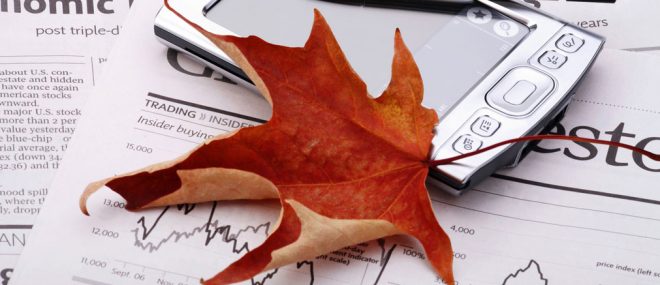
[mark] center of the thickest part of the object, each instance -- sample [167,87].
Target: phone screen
[453,49]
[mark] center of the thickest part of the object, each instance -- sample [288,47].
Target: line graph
[145,238]
[385,256]
[311,270]
[531,274]
[299,265]
[211,228]
[268,276]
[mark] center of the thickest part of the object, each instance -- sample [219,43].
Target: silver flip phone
[491,71]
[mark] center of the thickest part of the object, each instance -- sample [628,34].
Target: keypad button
[552,59]
[467,143]
[511,94]
[485,126]
[479,15]
[569,43]
[519,93]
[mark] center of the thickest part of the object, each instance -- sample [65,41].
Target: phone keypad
[517,104]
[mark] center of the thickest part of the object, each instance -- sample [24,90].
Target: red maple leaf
[346,168]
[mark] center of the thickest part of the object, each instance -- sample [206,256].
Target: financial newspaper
[51,55]
[571,213]
[53,52]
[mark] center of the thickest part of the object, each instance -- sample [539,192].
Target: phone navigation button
[520,92]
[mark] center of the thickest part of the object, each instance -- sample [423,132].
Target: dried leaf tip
[89,190]
[185,19]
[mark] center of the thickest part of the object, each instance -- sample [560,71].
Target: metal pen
[421,5]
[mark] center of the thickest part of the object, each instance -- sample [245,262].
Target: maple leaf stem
[449,160]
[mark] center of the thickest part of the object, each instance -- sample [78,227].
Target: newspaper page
[51,55]
[571,213]
[627,24]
